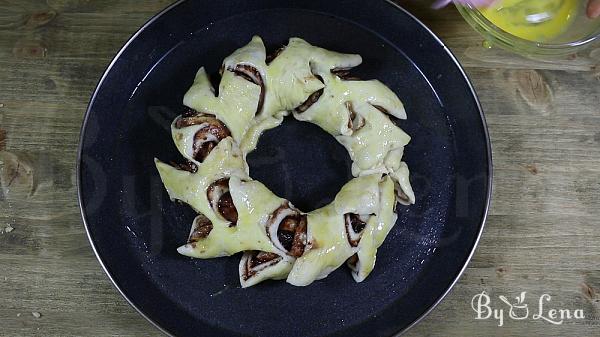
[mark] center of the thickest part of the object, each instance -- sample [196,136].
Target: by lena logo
[519,309]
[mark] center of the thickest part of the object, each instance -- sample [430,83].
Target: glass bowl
[581,33]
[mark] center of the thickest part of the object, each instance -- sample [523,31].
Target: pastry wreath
[238,214]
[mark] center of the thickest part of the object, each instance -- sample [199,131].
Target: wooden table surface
[542,234]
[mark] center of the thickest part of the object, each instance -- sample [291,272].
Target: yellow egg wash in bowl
[534,20]
[534,28]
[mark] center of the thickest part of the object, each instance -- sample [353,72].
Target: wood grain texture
[541,237]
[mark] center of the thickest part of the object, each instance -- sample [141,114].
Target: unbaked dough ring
[238,214]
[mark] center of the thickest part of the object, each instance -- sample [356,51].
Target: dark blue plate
[135,229]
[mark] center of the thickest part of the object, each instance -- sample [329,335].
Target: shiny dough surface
[253,96]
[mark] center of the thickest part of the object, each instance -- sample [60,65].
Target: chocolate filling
[380,108]
[227,209]
[252,74]
[344,74]
[356,225]
[202,149]
[201,228]
[312,99]
[221,201]
[355,121]
[191,117]
[189,112]
[274,55]
[259,259]
[186,166]
[299,238]
[292,234]
[213,129]
[291,229]
[353,260]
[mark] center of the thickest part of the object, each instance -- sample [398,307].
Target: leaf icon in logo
[519,310]
[521,298]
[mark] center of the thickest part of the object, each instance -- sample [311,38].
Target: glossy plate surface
[135,229]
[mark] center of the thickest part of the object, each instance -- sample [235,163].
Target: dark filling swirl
[207,138]
[221,202]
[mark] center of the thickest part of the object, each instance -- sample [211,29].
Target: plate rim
[490,172]
[396,6]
